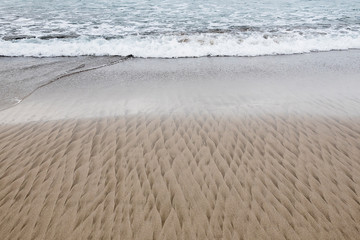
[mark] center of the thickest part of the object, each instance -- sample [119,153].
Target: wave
[176,46]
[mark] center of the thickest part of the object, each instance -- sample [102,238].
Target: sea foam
[196,45]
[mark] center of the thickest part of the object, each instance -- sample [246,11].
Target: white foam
[196,45]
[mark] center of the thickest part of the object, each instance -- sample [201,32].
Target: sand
[288,169]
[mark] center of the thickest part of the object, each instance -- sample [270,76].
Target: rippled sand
[282,170]
[170,177]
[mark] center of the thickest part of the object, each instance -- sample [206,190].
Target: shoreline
[169,58]
[210,148]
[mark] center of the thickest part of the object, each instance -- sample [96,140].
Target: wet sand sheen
[175,177]
[213,148]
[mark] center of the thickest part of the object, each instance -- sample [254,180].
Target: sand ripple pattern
[177,177]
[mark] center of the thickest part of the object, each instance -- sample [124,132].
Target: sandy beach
[203,148]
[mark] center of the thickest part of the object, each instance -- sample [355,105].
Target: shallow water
[177,28]
[315,84]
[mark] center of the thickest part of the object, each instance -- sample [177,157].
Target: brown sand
[207,148]
[181,177]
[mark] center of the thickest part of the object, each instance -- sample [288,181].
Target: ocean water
[174,28]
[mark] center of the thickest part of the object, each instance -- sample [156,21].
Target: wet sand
[217,148]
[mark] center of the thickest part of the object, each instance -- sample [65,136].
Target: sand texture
[205,148]
[173,177]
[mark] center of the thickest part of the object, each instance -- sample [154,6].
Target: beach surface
[195,148]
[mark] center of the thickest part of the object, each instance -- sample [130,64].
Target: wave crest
[175,46]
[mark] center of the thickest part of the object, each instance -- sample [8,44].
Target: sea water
[174,28]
